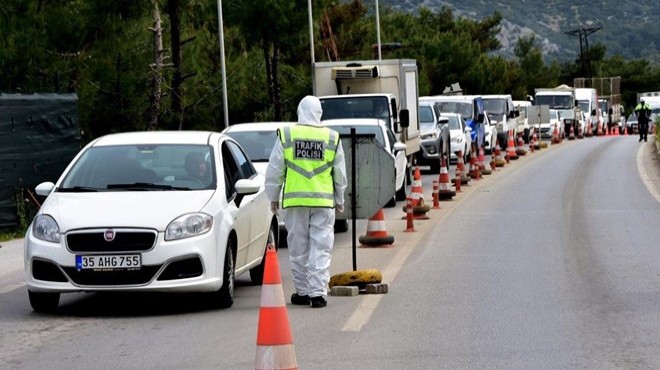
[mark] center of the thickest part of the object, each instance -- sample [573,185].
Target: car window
[426,118]
[257,144]
[462,108]
[454,123]
[137,167]
[246,169]
[231,171]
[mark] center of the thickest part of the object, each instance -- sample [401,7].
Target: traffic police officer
[643,111]
[308,161]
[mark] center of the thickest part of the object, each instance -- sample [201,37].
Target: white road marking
[11,287]
[645,177]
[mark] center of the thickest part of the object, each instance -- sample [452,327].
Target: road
[551,262]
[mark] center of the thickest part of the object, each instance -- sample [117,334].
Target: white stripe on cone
[375,225]
[272,295]
[276,357]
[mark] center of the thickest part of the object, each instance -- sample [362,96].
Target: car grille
[125,240]
[112,278]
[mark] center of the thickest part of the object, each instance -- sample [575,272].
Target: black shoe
[645,140]
[318,302]
[300,300]
[640,140]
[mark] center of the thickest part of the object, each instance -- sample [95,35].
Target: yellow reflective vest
[309,154]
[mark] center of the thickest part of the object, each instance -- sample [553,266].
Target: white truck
[562,99]
[356,89]
[504,115]
[587,99]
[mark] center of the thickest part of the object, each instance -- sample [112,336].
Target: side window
[244,165]
[231,171]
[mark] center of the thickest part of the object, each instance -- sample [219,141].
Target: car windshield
[257,144]
[375,130]
[426,118]
[494,106]
[584,105]
[355,107]
[462,108]
[555,101]
[632,118]
[142,168]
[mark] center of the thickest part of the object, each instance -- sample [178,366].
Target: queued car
[258,139]
[459,136]
[471,109]
[434,137]
[547,128]
[383,136]
[177,211]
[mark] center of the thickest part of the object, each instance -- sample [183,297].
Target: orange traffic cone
[410,227]
[510,147]
[436,197]
[555,135]
[474,168]
[377,235]
[481,162]
[460,169]
[520,149]
[580,134]
[590,130]
[499,162]
[599,129]
[274,339]
[571,135]
[417,195]
[416,191]
[444,185]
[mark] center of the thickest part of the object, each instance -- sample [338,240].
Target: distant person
[308,161]
[643,112]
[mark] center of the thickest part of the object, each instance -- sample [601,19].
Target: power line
[585,58]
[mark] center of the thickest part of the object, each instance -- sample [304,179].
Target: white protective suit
[310,230]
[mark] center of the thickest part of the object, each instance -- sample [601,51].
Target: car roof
[257,126]
[465,98]
[158,137]
[496,96]
[353,122]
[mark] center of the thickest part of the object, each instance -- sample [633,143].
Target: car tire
[257,272]
[224,297]
[44,302]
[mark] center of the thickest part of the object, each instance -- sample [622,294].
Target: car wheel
[224,297]
[257,273]
[44,302]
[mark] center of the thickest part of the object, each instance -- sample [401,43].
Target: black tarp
[39,136]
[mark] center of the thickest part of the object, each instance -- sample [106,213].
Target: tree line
[156,64]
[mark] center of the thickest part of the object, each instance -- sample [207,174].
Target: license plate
[109,262]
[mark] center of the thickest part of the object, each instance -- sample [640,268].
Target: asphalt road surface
[552,262]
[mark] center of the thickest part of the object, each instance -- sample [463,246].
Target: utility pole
[585,59]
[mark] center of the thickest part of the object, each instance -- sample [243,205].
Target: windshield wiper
[145,186]
[78,189]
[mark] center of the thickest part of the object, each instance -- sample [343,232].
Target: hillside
[627,27]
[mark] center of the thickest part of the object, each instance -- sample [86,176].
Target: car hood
[151,209]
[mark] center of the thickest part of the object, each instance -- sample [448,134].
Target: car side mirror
[245,187]
[404,120]
[399,146]
[468,130]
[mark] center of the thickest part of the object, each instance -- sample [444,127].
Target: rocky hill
[630,28]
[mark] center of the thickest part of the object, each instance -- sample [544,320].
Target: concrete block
[376,289]
[345,291]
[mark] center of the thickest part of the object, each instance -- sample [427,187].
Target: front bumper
[185,265]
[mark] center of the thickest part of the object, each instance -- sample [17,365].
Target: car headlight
[455,140]
[429,136]
[189,225]
[45,228]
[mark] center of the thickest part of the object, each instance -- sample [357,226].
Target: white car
[385,137]
[547,128]
[459,134]
[258,139]
[129,214]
